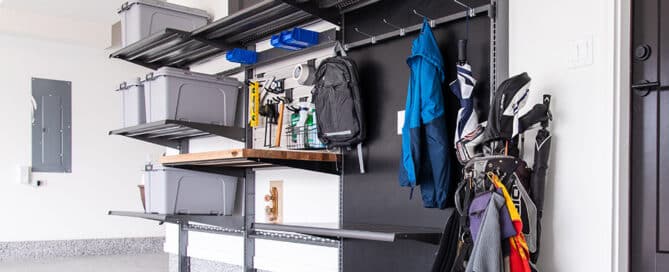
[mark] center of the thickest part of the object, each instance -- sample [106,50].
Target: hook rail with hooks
[470,10]
[402,31]
[432,24]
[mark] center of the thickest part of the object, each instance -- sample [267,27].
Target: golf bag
[336,96]
[493,164]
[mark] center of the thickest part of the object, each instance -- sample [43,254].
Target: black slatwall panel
[376,197]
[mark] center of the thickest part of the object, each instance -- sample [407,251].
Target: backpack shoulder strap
[339,50]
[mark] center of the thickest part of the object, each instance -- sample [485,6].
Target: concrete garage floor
[122,263]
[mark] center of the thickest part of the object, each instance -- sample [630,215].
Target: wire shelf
[303,138]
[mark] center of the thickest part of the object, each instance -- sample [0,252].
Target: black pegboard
[376,197]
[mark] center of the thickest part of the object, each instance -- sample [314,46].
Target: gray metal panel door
[52,126]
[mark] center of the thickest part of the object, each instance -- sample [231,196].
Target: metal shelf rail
[172,133]
[182,49]
[232,225]
[292,237]
[370,232]
[235,161]
[403,31]
[168,47]
[226,222]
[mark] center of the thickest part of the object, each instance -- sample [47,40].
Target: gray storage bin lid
[185,74]
[135,82]
[159,167]
[165,5]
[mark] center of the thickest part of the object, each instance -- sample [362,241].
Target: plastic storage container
[177,191]
[294,39]
[141,18]
[277,41]
[188,96]
[300,37]
[242,56]
[132,103]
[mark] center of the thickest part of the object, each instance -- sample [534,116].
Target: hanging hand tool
[275,86]
[279,126]
[254,103]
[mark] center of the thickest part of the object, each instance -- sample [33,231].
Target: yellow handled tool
[279,126]
[254,104]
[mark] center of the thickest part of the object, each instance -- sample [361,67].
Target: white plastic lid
[175,72]
[165,5]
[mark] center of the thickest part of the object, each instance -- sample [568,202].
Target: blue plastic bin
[300,37]
[242,56]
[277,41]
[295,39]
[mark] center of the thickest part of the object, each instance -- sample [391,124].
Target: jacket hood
[426,46]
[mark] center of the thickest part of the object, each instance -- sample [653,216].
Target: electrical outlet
[400,122]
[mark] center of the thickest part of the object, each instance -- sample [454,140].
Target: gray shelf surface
[171,133]
[223,221]
[371,232]
[182,49]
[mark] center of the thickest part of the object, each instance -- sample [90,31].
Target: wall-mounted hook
[470,10]
[401,29]
[423,16]
[365,34]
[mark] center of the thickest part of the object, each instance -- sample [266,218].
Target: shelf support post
[183,261]
[249,183]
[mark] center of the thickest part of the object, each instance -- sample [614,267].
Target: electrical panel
[51,125]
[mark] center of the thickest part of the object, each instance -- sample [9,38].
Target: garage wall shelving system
[243,29]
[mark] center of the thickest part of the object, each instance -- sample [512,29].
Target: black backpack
[336,96]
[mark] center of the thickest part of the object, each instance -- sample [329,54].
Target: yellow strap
[509,203]
[518,240]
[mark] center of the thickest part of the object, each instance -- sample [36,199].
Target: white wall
[63,29]
[578,218]
[105,169]
[215,8]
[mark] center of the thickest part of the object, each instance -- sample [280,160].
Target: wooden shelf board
[246,156]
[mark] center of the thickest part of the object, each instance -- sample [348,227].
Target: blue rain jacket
[425,145]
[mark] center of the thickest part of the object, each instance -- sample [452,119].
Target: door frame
[621,136]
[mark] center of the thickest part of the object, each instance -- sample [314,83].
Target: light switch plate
[400,122]
[580,52]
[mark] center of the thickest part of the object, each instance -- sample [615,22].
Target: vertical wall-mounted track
[341,213]
[183,261]
[499,44]
[249,184]
[249,219]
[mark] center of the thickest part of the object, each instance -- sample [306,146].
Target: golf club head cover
[468,146]
[509,99]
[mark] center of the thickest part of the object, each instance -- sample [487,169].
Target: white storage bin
[141,18]
[133,111]
[177,191]
[188,96]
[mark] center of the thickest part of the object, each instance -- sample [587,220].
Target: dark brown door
[649,244]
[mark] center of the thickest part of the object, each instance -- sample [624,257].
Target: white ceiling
[98,11]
